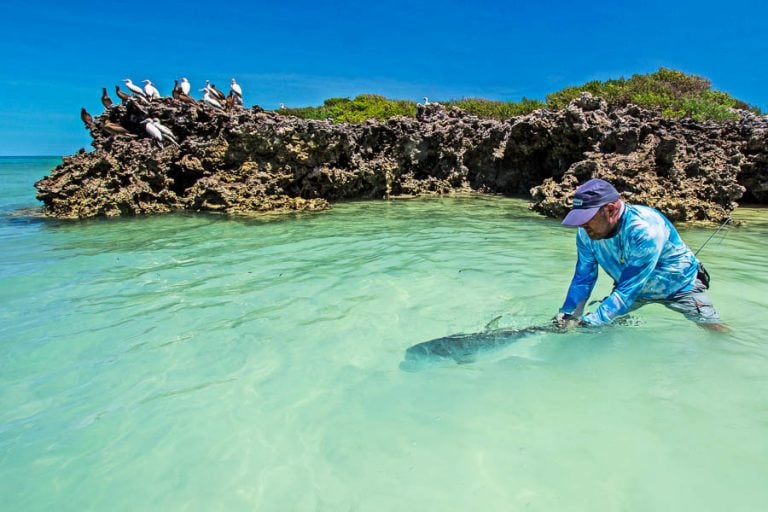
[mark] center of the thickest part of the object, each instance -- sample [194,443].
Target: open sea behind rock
[204,362]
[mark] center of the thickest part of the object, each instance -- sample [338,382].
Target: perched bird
[210,100]
[185,86]
[87,119]
[105,99]
[187,99]
[426,101]
[167,133]
[176,91]
[150,90]
[135,89]
[235,87]
[153,131]
[217,94]
[282,106]
[120,94]
[115,129]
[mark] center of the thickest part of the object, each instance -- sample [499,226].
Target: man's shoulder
[642,214]
[645,224]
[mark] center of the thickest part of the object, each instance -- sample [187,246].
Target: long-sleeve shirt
[646,258]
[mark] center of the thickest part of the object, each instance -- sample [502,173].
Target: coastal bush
[672,93]
[499,110]
[363,107]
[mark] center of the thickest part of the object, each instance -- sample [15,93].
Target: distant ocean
[205,362]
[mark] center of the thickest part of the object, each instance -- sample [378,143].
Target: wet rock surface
[250,160]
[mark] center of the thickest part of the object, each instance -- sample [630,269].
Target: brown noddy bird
[87,119]
[120,94]
[105,99]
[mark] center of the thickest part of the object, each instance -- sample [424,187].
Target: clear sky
[57,55]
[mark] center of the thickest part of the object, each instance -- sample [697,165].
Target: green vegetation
[672,93]
[366,106]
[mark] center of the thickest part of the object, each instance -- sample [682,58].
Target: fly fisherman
[640,249]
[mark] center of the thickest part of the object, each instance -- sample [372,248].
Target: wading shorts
[694,304]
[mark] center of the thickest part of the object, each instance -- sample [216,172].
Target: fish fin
[493,324]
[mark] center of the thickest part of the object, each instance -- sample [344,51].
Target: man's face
[601,225]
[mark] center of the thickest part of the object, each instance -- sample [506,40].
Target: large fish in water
[465,347]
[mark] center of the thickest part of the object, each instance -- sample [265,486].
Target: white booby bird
[426,101]
[210,100]
[235,87]
[135,89]
[185,85]
[165,130]
[214,91]
[282,106]
[105,99]
[153,131]
[150,90]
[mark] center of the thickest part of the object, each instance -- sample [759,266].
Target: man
[643,253]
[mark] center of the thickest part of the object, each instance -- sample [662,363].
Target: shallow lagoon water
[200,362]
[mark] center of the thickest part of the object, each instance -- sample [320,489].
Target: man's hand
[566,320]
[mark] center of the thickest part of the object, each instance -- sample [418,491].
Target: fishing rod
[726,221]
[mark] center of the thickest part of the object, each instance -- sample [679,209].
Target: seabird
[150,90]
[176,91]
[426,101]
[187,99]
[105,99]
[210,100]
[135,89]
[282,106]
[185,86]
[153,131]
[235,87]
[165,130]
[214,91]
[120,94]
[115,129]
[87,119]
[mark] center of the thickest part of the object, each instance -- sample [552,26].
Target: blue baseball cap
[588,199]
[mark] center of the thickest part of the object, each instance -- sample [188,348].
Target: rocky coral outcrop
[249,160]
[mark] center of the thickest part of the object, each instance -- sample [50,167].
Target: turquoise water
[198,362]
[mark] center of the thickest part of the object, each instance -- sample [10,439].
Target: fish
[464,348]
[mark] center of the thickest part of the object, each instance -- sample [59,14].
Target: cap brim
[576,218]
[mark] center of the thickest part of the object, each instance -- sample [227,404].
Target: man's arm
[584,279]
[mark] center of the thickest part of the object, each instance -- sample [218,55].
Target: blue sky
[56,56]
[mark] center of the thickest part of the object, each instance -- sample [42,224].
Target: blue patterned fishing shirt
[646,258]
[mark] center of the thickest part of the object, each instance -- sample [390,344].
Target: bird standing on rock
[153,131]
[151,91]
[115,129]
[120,94]
[236,93]
[213,91]
[164,130]
[210,100]
[86,118]
[235,87]
[185,85]
[135,89]
[105,99]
